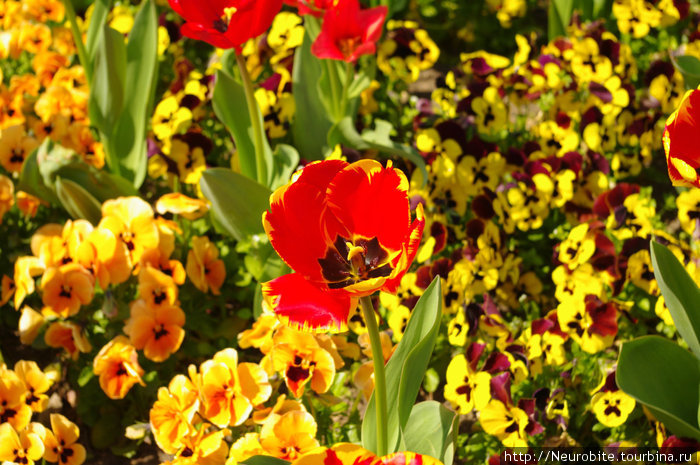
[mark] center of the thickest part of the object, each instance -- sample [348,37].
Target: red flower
[348,32]
[226,23]
[311,7]
[346,231]
[681,142]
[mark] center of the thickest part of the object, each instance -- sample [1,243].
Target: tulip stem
[379,376]
[255,120]
[349,75]
[78,39]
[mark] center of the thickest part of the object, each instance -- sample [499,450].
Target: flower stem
[255,121]
[379,376]
[349,75]
[78,39]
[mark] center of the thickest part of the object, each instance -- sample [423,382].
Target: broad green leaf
[78,202]
[129,138]
[361,81]
[98,18]
[689,67]
[664,377]
[231,108]
[107,86]
[285,162]
[405,369]
[237,202]
[680,292]
[431,430]
[311,121]
[32,182]
[344,132]
[264,263]
[264,460]
[559,16]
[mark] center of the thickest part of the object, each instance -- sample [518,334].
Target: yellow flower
[203,267]
[26,268]
[155,329]
[507,423]
[7,195]
[61,442]
[290,435]
[15,146]
[131,220]
[465,388]
[179,204]
[36,383]
[173,413]
[30,323]
[170,118]
[13,407]
[229,389]
[69,336]
[25,447]
[118,368]
[612,408]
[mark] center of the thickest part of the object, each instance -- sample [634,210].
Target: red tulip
[681,142]
[226,23]
[311,7]
[346,231]
[348,32]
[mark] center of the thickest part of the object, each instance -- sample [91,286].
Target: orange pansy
[155,329]
[203,267]
[25,447]
[65,289]
[118,368]
[290,435]
[69,336]
[35,382]
[172,414]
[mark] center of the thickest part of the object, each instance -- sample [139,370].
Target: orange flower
[13,408]
[681,142]
[172,414]
[180,204]
[105,256]
[61,442]
[118,367]
[26,268]
[156,288]
[203,267]
[69,336]
[229,390]
[65,289]
[35,382]
[131,220]
[28,204]
[15,146]
[173,268]
[260,335]
[346,231]
[155,329]
[200,448]
[302,360]
[290,435]
[7,197]
[7,289]
[25,447]
[345,453]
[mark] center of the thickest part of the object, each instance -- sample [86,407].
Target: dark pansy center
[346,263]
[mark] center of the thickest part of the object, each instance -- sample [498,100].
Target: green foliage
[405,370]
[431,430]
[689,67]
[664,377]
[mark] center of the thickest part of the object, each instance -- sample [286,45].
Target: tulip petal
[304,306]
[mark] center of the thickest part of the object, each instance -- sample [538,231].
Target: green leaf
[237,201]
[264,460]
[405,369]
[229,105]
[78,202]
[107,87]
[129,138]
[431,430]
[559,16]
[311,121]
[264,263]
[361,81]
[98,18]
[379,138]
[689,67]
[285,162]
[664,377]
[32,182]
[680,292]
